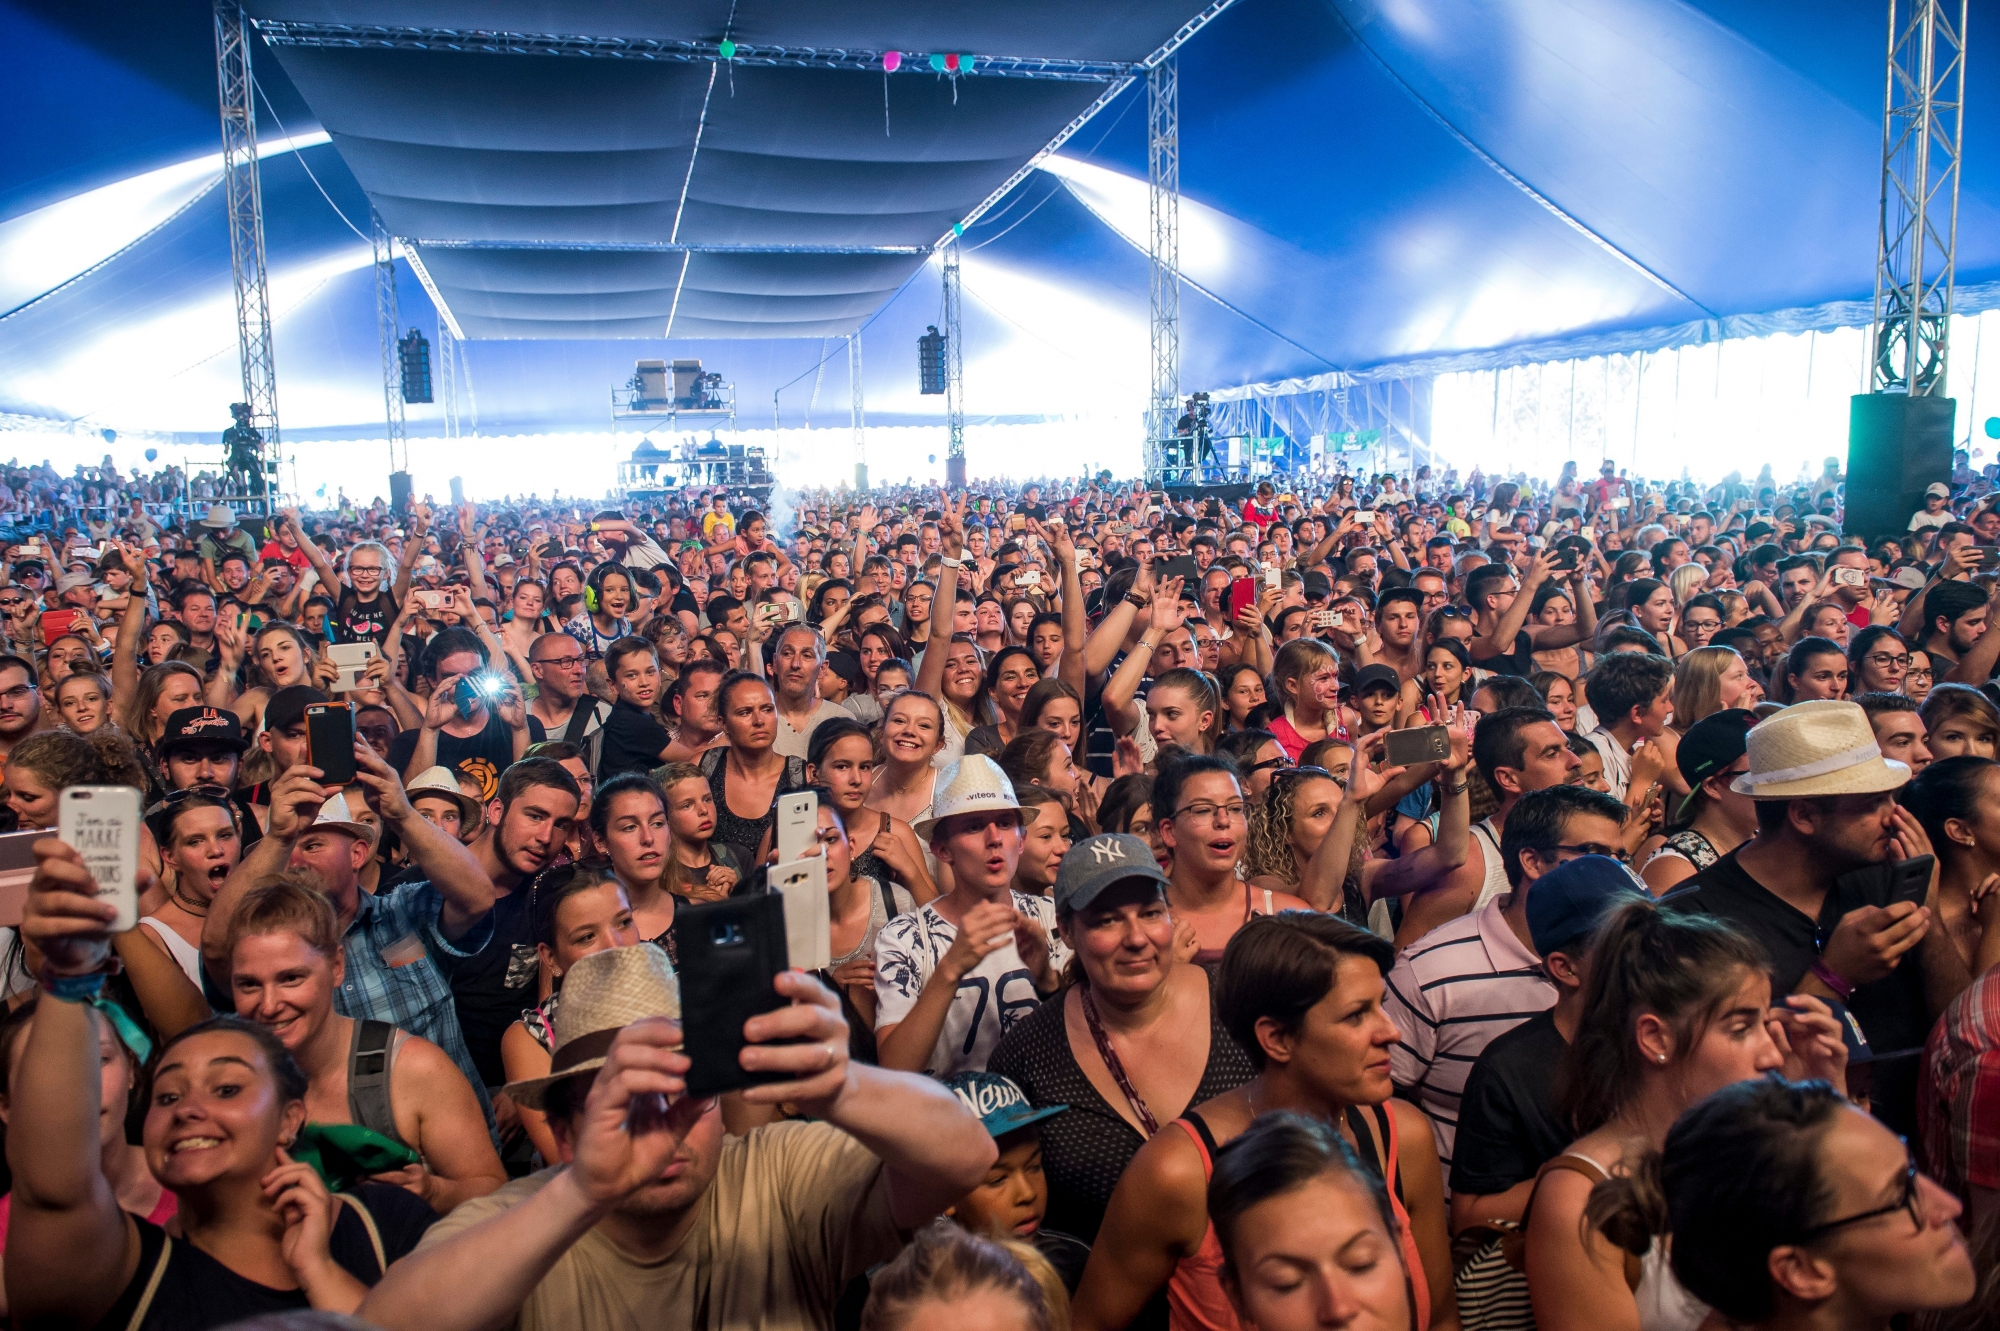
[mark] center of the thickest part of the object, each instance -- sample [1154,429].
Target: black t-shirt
[197,1292]
[633,741]
[354,619]
[491,989]
[1891,1011]
[1520,661]
[483,756]
[1507,1123]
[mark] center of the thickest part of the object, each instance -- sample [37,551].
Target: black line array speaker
[399,491]
[1897,445]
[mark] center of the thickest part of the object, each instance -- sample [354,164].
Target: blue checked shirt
[414,996]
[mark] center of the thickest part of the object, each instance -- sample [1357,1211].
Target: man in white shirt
[1633,696]
[1936,510]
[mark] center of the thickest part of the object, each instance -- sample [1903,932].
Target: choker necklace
[199,912]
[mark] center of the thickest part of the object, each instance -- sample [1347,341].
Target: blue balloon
[152,454]
[1993,427]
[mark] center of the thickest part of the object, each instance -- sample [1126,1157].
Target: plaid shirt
[1958,1097]
[416,994]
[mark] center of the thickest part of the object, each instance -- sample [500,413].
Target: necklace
[199,912]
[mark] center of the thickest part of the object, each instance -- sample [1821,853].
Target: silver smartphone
[102,824]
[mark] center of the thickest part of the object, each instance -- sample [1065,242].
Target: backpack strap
[579,719]
[369,1059]
[146,1295]
[367,1219]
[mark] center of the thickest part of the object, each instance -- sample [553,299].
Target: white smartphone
[353,659]
[1273,578]
[102,824]
[808,913]
[798,823]
[1364,516]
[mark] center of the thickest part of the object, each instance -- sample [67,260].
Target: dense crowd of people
[1399,902]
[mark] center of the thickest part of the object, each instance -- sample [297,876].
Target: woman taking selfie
[257,1232]
[1789,1209]
[1676,1007]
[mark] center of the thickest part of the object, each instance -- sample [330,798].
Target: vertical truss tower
[859,409]
[387,322]
[447,350]
[245,201]
[1163,159]
[954,372]
[1922,119]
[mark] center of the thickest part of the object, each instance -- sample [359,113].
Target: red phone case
[1242,592]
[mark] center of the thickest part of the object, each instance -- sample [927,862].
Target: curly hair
[1269,851]
[63,758]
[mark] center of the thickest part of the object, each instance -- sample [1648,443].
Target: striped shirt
[1452,992]
[1958,1097]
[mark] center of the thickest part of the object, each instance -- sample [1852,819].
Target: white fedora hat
[1822,747]
[973,784]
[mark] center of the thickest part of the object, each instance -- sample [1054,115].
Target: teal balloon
[1993,427]
[937,63]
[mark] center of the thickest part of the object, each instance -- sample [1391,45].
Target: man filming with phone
[475,722]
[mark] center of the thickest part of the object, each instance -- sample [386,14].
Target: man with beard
[527,826]
[20,704]
[659,1218]
[393,942]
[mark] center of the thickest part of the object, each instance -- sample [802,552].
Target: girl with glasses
[1877,660]
[1918,676]
[1789,1207]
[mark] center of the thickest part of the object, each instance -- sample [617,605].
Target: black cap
[202,728]
[287,707]
[1712,744]
[1369,676]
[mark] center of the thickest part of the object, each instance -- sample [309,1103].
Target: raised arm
[1109,636]
[295,800]
[70,1249]
[1075,623]
[314,555]
[944,605]
[1123,686]
[1501,640]
[445,860]
[125,668]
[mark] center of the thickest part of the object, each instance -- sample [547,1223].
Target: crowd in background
[1405,901]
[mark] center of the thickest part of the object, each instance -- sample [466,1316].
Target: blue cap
[998,1102]
[1573,898]
[1098,862]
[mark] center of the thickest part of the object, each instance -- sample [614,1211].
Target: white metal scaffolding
[447,350]
[1923,116]
[954,372]
[245,202]
[387,322]
[1163,159]
[860,410]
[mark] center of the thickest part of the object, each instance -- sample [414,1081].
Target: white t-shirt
[998,992]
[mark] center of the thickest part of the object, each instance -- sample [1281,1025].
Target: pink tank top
[1196,1300]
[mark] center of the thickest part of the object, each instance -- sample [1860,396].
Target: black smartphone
[731,954]
[1910,880]
[1416,744]
[1885,884]
[330,741]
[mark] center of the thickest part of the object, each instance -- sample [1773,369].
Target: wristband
[949,562]
[1458,789]
[1832,979]
[1137,601]
[74,988]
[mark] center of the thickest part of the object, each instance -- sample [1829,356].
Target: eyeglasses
[1911,1200]
[559,662]
[1918,672]
[1618,853]
[1221,814]
[1882,661]
[174,798]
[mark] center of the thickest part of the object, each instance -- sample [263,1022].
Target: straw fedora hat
[441,780]
[602,994]
[973,784]
[1822,747]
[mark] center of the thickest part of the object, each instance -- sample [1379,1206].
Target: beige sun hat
[602,994]
[441,780]
[336,814]
[973,784]
[1822,747]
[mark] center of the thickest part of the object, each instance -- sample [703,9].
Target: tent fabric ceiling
[543,151]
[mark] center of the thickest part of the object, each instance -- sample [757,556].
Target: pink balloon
[892,61]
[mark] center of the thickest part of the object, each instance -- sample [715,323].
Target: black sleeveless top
[746,834]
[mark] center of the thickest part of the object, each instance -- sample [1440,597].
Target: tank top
[1662,1301]
[1495,883]
[731,828]
[1196,1300]
[182,951]
[1212,956]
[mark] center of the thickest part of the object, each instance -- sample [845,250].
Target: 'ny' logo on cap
[1106,850]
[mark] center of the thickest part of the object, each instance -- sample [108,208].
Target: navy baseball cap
[998,1102]
[1101,861]
[1573,898]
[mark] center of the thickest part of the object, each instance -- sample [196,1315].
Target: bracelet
[949,562]
[1458,789]
[1832,979]
[1137,601]
[74,988]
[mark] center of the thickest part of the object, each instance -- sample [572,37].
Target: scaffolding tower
[1923,116]
[860,410]
[954,372]
[387,322]
[1163,160]
[244,196]
[447,349]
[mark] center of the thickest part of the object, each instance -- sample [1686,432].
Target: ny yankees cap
[1102,861]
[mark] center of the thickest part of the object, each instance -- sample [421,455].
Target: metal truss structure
[388,321]
[860,411]
[447,352]
[245,202]
[1922,118]
[954,372]
[1163,161]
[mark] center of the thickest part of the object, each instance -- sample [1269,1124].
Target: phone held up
[101,823]
[1416,744]
[731,954]
[330,741]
